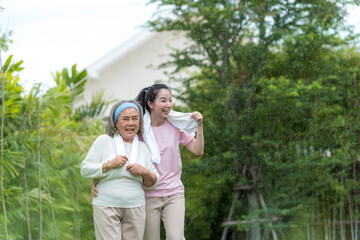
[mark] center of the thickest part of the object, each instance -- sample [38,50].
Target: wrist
[146,174]
[106,166]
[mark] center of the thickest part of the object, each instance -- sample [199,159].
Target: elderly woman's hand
[117,162]
[149,178]
[136,169]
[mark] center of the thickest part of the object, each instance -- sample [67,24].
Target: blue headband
[122,106]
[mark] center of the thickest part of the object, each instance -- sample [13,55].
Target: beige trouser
[119,223]
[171,210]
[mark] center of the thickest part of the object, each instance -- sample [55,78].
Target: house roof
[119,52]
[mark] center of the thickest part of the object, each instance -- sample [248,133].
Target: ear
[151,105]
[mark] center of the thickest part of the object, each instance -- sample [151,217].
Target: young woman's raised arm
[196,146]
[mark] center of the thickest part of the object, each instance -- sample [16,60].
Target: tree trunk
[25,185]
[263,205]
[326,227]
[308,234]
[355,177]
[27,202]
[77,208]
[282,234]
[51,205]
[356,222]
[329,223]
[351,220]
[342,224]
[334,225]
[2,147]
[342,227]
[231,211]
[39,170]
[313,237]
[74,206]
[254,207]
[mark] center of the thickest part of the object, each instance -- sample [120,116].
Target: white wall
[123,76]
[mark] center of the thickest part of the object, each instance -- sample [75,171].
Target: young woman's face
[128,123]
[162,104]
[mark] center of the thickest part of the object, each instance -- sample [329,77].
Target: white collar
[120,149]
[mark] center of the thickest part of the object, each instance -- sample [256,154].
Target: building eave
[119,52]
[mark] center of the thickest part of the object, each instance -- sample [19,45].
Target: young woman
[164,131]
[124,166]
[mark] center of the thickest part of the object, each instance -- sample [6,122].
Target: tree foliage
[44,144]
[278,88]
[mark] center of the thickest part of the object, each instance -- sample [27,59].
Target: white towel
[120,149]
[180,120]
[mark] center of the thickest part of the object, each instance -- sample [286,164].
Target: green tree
[261,81]
[42,148]
[75,83]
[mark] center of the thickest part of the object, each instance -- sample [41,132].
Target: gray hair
[111,126]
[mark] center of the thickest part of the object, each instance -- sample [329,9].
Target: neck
[127,140]
[156,121]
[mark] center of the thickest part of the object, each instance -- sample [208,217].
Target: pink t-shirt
[168,139]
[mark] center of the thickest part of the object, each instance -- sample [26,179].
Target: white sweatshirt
[117,187]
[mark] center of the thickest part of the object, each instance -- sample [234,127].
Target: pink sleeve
[186,137]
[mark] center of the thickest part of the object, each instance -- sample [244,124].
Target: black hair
[149,93]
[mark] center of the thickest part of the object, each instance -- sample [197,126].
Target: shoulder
[143,147]
[104,138]
[168,126]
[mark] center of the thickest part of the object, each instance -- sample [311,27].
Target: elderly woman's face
[128,124]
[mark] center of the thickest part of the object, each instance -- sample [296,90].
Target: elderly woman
[123,164]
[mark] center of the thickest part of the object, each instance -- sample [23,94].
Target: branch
[232,208]
[262,220]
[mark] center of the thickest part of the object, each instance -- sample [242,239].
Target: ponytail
[140,98]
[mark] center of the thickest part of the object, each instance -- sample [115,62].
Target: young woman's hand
[94,191]
[197,117]
[196,145]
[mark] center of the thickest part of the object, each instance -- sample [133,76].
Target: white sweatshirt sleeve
[150,166]
[91,167]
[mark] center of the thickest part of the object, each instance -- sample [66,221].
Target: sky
[50,35]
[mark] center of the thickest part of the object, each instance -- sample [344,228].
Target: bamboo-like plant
[2,145]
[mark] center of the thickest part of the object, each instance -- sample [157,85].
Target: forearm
[106,166]
[92,170]
[149,179]
[199,141]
